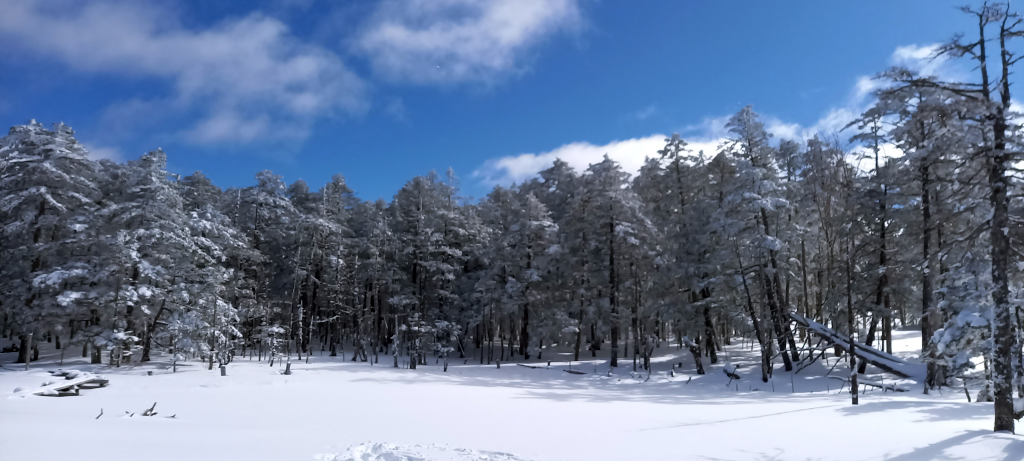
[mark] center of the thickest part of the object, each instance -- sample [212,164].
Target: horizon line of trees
[696,249]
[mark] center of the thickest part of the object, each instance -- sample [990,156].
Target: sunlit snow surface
[341,410]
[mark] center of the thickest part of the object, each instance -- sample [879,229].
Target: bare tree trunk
[803,274]
[579,335]
[96,355]
[23,351]
[613,294]
[524,334]
[595,343]
[1004,331]
[852,328]
[634,321]
[709,334]
[147,339]
[932,316]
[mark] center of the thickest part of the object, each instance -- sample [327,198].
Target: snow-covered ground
[335,410]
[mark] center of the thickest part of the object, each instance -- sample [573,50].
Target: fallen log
[882,360]
[68,387]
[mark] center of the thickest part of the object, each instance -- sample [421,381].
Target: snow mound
[392,452]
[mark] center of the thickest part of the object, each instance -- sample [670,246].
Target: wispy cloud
[460,41]
[918,58]
[645,113]
[922,58]
[249,76]
[102,152]
[396,109]
[807,94]
[708,128]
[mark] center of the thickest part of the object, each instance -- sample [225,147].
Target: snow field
[335,410]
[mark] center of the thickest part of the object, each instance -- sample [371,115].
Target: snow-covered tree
[48,196]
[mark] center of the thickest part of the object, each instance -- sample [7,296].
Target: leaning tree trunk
[872,329]
[779,312]
[783,310]
[695,351]
[774,311]
[765,355]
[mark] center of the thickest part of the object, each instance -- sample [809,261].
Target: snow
[391,452]
[335,410]
[877,384]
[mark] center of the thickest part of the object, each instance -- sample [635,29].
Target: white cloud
[630,153]
[458,41]
[247,75]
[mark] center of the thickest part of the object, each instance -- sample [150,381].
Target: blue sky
[384,91]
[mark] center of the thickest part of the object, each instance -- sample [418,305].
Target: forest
[908,218]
